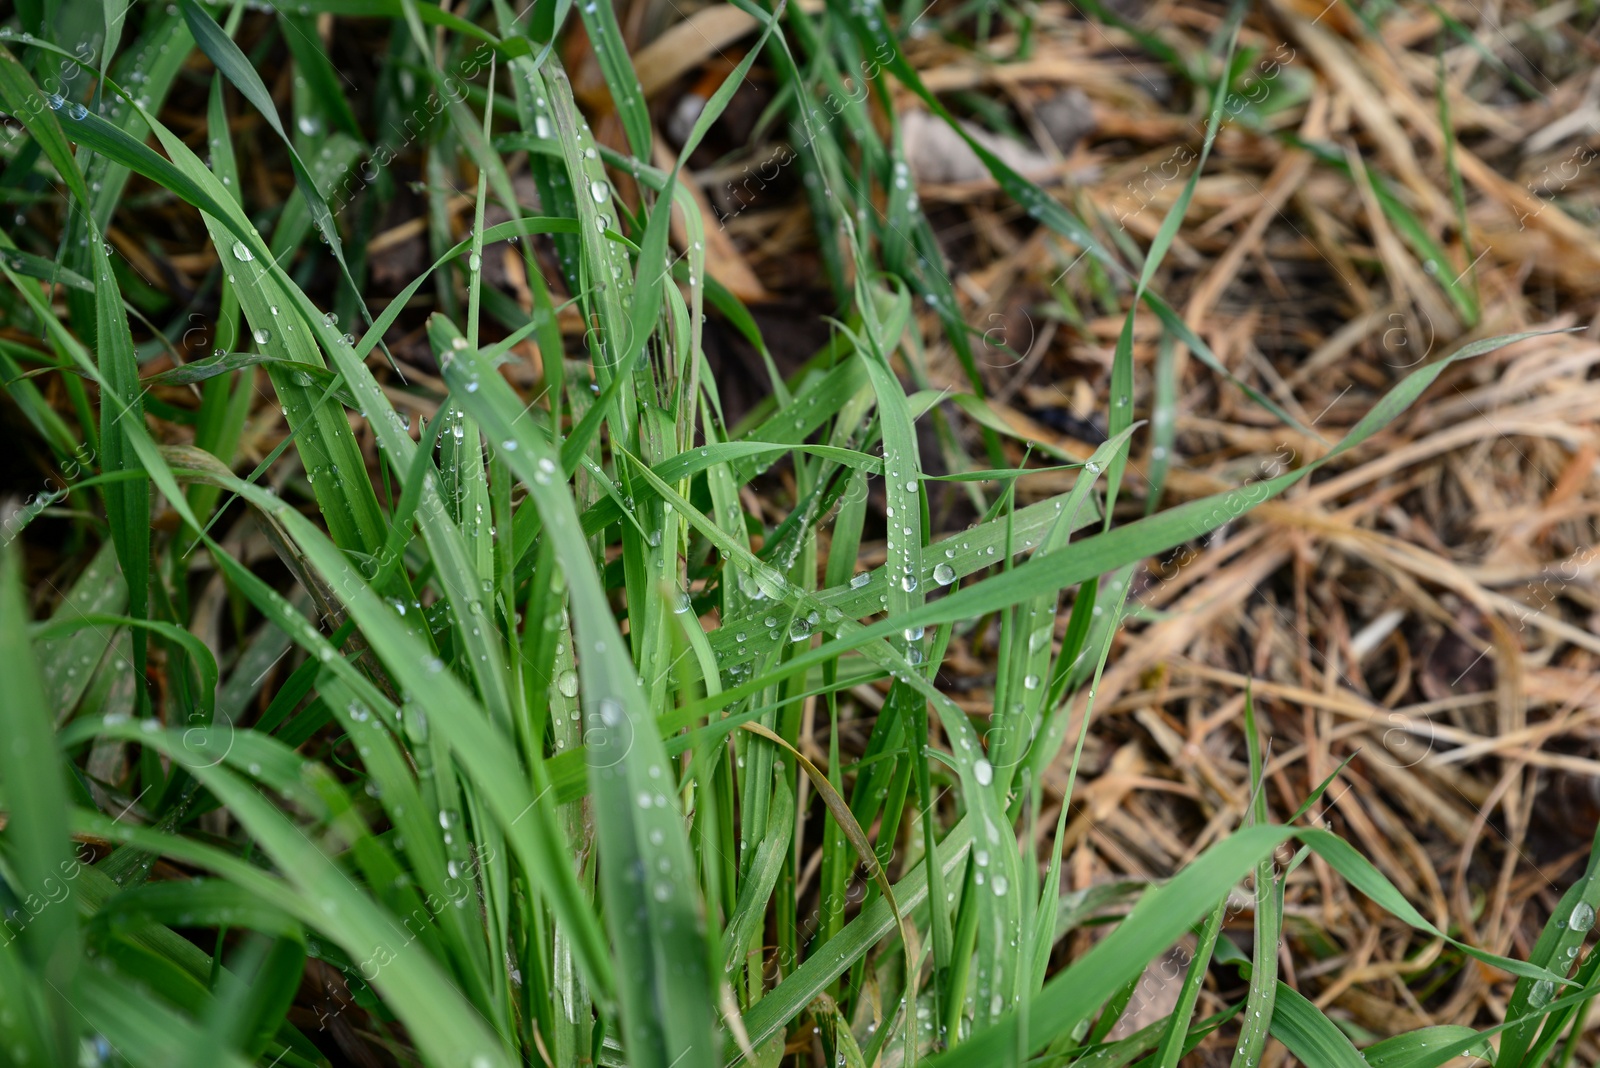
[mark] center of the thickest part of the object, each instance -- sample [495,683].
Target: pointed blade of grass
[745,923]
[1359,872]
[1121,415]
[1177,1025]
[1015,724]
[127,502]
[349,506]
[611,53]
[1415,1047]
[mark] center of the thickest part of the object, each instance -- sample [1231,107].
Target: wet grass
[437,676]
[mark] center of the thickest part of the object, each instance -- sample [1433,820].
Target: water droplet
[261,336]
[1582,916]
[860,580]
[242,253]
[983,771]
[944,574]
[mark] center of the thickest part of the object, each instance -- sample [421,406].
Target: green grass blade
[611,52]
[1258,1016]
[36,800]
[1563,935]
[1413,1047]
[41,116]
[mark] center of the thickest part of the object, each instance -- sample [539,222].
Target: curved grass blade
[1315,1040]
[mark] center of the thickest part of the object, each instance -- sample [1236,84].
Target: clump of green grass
[511,744]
